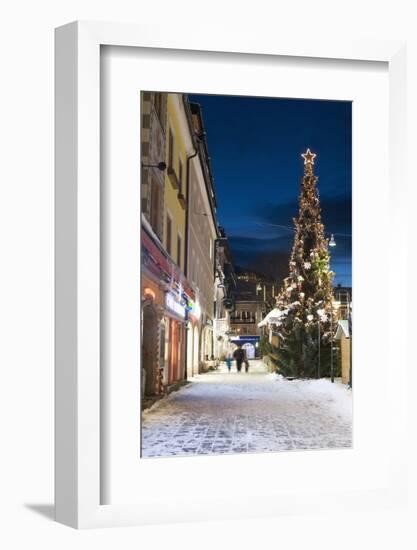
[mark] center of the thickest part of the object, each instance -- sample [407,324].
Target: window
[170,149]
[180,175]
[169,235]
[154,211]
[179,245]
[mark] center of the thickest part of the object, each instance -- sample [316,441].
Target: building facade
[165,295]
[188,281]
[255,296]
[165,290]
[202,232]
[224,296]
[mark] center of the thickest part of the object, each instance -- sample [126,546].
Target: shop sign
[246,338]
[172,304]
[194,309]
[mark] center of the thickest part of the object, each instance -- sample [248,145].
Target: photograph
[246,274]
[195,197]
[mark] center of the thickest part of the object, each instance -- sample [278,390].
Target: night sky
[255,146]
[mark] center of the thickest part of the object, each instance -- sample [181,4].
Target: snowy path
[223,412]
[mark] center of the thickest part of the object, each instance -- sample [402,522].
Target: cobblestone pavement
[222,412]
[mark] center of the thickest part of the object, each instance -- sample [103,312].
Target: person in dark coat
[245,360]
[239,356]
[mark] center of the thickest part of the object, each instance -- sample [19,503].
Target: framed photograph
[221,214]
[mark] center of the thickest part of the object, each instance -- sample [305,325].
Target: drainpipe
[187,222]
[187,212]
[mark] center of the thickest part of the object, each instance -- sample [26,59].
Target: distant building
[255,296]
[343,336]
[343,299]
[224,295]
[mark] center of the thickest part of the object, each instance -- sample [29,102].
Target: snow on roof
[272,317]
[342,329]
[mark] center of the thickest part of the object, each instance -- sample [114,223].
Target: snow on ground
[222,412]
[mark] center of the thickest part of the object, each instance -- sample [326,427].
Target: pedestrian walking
[238,355]
[229,361]
[245,360]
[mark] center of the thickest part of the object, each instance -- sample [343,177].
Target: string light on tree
[304,331]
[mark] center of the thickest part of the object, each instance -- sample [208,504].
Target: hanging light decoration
[332,242]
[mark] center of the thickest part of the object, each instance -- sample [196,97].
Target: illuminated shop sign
[172,304]
[194,309]
[245,338]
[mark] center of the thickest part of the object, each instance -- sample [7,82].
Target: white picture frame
[78,405]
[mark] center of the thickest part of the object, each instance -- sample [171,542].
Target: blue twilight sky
[255,146]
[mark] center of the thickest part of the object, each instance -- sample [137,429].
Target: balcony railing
[222,325]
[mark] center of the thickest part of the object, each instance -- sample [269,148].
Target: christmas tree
[306,297]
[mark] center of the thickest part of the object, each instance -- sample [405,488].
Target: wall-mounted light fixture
[161,166]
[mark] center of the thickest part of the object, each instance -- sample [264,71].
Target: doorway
[150,349]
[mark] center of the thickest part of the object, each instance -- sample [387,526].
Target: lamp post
[332,243]
[320,313]
[335,305]
[318,363]
[331,344]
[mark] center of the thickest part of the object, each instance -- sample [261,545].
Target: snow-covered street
[222,412]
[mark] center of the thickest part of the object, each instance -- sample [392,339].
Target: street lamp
[318,364]
[331,344]
[332,243]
